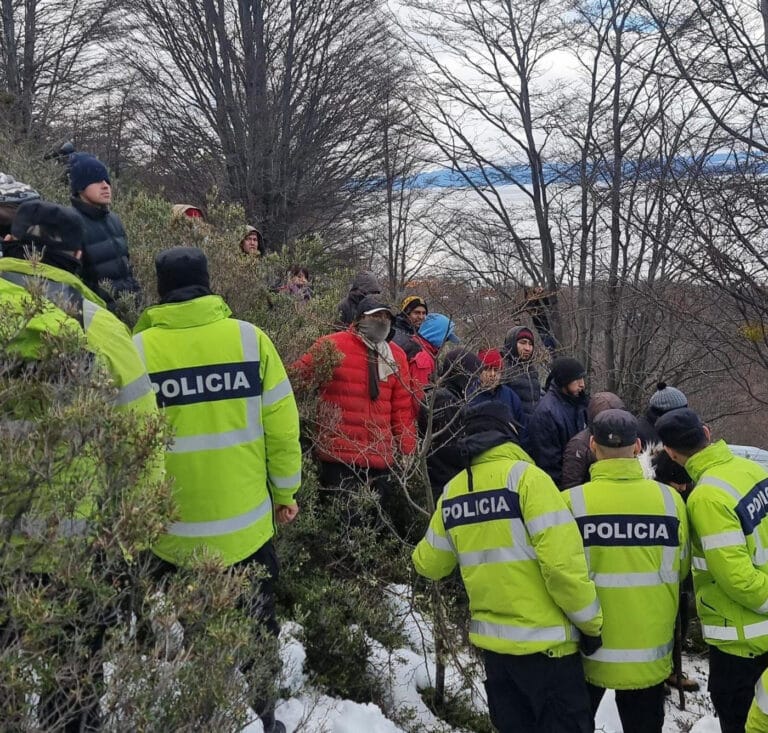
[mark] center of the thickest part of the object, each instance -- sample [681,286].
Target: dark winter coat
[577,457]
[457,386]
[404,333]
[507,397]
[365,283]
[443,461]
[105,252]
[558,417]
[522,377]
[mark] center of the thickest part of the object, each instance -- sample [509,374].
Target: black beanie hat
[181,267]
[84,170]
[44,224]
[681,429]
[565,370]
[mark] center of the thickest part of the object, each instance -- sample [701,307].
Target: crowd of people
[572,553]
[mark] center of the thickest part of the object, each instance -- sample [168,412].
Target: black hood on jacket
[182,269]
[460,367]
[365,283]
[402,323]
[509,350]
[484,426]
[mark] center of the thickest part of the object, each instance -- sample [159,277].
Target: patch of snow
[402,673]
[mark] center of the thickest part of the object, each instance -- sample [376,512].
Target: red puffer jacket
[355,429]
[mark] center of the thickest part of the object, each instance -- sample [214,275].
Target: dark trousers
[732,682]
[258,602]
[535,693]
[640,711]
[343,482]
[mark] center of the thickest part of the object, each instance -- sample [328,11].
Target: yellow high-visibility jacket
[70,307]
[520,556]
[727,510]
[223,386]
[757,719]
[635,534]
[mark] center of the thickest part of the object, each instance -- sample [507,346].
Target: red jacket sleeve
[422,365]
[403,420]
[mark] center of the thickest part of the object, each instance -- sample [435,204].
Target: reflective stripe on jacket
[635,534]
[757,720]
[727,510]
[72,308]
[520,556]
[236,448]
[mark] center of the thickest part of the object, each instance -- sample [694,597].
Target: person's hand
[286,513]
[588,645]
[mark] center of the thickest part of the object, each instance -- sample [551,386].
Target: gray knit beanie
[667,398]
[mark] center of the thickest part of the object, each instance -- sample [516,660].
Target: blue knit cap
[84,170]
[437,329]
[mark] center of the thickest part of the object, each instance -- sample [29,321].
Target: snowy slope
[404,672]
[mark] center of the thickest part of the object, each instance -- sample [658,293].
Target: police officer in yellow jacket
[635,534]
[236,458]
[757,719]
[506,525]
[727,510]
[39,286]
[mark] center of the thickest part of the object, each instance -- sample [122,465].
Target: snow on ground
[403,672]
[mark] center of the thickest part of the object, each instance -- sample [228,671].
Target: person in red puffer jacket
[365,412]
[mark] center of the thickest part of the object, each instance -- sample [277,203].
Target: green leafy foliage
[100,602]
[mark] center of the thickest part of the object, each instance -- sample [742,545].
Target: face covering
[375,331]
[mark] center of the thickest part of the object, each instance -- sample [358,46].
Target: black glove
[588,645]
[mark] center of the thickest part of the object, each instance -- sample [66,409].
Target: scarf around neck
[381,364]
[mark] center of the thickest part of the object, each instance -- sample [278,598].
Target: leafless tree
[572,191]
[719,50]
[279,90]
[50,51]
[482,63]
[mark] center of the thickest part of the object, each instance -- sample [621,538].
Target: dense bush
[57,428]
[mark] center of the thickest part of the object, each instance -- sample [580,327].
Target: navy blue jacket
[504,394]
[522,377]
[555,421]
[105,252]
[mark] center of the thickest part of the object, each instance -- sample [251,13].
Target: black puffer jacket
[521,376]
[105,252]
[457,385]
[404,333]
